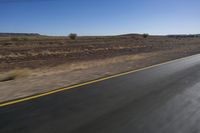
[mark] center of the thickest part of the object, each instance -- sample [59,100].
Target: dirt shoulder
[46,79]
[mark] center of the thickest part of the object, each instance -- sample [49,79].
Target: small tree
[73,36]
[145,35]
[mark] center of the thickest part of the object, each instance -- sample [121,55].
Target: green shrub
[145,35]
[73,36]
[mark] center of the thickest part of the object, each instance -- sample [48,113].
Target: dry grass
[14,74]
[83,65]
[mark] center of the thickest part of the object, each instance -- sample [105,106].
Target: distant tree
[145,35]
[73,36]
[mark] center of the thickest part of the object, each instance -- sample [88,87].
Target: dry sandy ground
[33,53]
[47,79]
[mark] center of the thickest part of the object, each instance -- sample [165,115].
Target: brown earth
[55,62]
[37,52]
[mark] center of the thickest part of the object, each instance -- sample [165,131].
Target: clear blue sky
[100,17]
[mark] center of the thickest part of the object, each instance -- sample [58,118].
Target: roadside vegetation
[44,51]
[145,35]
[14,74]
[73,36]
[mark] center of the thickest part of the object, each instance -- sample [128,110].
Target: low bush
[12,75]
[73,36]
[145,35]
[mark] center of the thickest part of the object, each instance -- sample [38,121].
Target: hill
[18,34]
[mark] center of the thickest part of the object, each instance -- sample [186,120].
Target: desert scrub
[145,35]
[8,43]
[73,36]
[15,38]
[15,74]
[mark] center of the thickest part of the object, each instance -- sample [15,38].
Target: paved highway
[160,99]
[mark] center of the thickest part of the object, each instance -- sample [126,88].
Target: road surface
[160,99]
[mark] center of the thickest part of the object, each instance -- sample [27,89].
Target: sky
[100,17]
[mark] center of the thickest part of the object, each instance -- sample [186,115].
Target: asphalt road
[162,99]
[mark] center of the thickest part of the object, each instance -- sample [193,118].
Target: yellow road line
[83,84]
